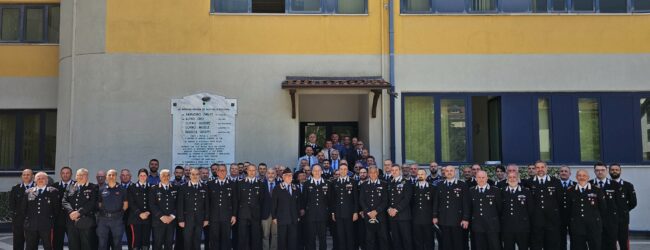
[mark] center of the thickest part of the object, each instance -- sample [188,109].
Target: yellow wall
[179,26]
[174,26]
[22,60]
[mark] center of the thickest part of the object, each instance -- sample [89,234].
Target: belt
[119,214]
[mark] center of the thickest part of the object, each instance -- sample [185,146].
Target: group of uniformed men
[361,209]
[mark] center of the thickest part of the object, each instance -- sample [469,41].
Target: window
[483,5]
[416,6]
[29,23]
[584,6]
[589,124]
[645,128]
[453,130]
[641,5]
[27,139]
[544,127]
[525,6]
[613,6]
[290,6]
[514,6]
[419,133]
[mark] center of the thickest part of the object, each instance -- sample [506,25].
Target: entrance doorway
[323,130]
[486,128]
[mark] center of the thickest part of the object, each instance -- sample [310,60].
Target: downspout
[73,77]
[391,73]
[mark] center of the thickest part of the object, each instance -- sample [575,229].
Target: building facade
[456,81]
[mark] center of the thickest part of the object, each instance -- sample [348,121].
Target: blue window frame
[527,134]
[29,23]
[525,6]
[27,139]
[291,6]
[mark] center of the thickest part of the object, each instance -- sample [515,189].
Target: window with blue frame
[27,139]
[561,128]
[290,6]
[523,6]
[29,23]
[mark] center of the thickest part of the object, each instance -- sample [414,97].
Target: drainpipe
[391,73]
[73,53]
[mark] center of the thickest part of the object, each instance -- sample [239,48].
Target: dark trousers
[163,236]
[452,237]
[316,231]
[302,233]
[344,233]
[81,239]
[421,235]
[287,236]
[376,236]
[192,235]
[545,238]
[178,239]
[234,238]
[59,234]
[487,240]
[586,241]
[249,234]
[610,236]
[18,230]
[624,236]
[400,232]
[468,241]
[33,237]
[109,232]
[206,237]
[564,230]
[127,229]
[510,239]
[360,227]
[140,234]
[219,235]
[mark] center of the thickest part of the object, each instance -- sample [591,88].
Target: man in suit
[59,221]
[547,194]
[629,202]
[316,209]
[485,210]
[41,203]
[373,201]
[309,157]
[356,154]
[343,206]
[17,213]
[515,217]
[612,191]
[251,193]
[400,191]
[285,208]
[451,211]
[424,193]
[588,205]
[80,204]
[565,211]
[312,141]
[193,210]
[223,209]
[162,198]
[269,230]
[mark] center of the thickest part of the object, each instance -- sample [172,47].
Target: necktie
[512,191]
[40,191]
[165,188]
[448,184]
[581,190]
[196,186]
[272,186]
[65,186]
[481,190]
[600,184]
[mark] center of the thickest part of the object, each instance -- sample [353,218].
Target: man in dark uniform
[140,212]
[360,224]
[60,219]
[374,202]
[471,182]
[424,193]
[42,203]
[434,178]
[587,204]
[112,203]
[343,207]
[302,225]
[179,180]
[162,198]
[515,217]
[285,207]
[17,213]
[223,209]
[80,204]
[451,210]
[249,211]
[501,176]
[125,183]
[486,208]
[629,202]
[547,194]
[316,209]
[612,191]
[565,211]
[400,192]
[193,207]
